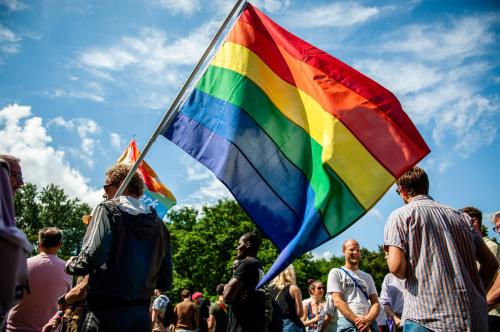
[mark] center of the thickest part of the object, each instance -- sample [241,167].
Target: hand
[397,321]
[50,326]
[361,323]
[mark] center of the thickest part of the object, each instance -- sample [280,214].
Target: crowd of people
[443,274]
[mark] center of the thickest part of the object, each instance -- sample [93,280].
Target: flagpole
[174,107]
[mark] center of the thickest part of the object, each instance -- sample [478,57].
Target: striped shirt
[443,289]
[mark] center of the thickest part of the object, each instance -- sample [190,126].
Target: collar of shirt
[131,205]
[421,198]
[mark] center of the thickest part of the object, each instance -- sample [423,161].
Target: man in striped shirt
[434,247]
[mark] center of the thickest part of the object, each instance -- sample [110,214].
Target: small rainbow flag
[155,194]
[305,143]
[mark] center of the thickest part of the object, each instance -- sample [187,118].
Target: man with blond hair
[353,292]
[127,255]
[435,248]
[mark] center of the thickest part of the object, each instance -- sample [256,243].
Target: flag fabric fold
[305,143]
[155,193]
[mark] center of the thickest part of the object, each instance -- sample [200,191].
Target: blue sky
[79,78]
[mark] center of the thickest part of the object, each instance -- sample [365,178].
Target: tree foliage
[51,207]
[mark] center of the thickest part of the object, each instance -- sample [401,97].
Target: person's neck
[49,251]
[186,299]
[315,299]
[352,267]
[221,298]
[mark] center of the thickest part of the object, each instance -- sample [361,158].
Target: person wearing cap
[202,310]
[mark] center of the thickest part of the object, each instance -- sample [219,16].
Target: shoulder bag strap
[356,283]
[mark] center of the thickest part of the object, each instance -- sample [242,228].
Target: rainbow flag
[155,194]
[305,143]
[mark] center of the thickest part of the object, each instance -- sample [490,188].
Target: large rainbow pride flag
[305,143]
[155,193]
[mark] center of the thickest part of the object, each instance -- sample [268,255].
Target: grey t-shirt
[340,282]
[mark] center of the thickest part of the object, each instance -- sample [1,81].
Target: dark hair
[254,241]
[185,293]
[312,284]
[219,289]
[118,173]
[473,213]
[49,237]
[415,182]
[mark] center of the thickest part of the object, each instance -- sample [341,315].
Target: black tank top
[286,302]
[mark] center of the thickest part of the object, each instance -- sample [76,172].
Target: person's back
[435,248]
[442,270]
[127,255]
[48,282]
[185,314]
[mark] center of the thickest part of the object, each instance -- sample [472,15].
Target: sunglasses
[107,186]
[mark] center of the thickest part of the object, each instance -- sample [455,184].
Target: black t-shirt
[248,306]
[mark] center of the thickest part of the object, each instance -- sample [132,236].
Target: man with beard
[353,292]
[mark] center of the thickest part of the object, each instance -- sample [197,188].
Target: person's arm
[328,319]
[297,297]
[493,296]
[98,246]
[342,306]
[154,316]
[165,275]
[231,289]
[397,263]
[373,312]
[210,321]
[390,314]
[307,321]
[488,264]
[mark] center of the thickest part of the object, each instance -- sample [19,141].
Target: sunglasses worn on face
[496,229]
[107,186]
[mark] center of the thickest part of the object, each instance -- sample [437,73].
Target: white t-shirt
[340,282]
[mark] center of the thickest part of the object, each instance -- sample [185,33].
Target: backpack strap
[356,283]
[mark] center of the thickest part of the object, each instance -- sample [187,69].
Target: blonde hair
[287,276]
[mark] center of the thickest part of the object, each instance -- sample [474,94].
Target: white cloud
[374,212]
[210,192]
[24,135]
[152,64]
[272,6]
[116,141]
[440,81]
[14,5]
[178,6]
[327,254]
[85,129]
[466,37]
[77,94]
[338,14]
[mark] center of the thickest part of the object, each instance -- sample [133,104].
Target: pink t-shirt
[47,281]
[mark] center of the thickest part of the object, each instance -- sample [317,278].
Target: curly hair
[118,173]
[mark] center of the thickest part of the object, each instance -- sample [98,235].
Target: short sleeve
[330,307]
[371,286]
[334,283]
[160,304]
[395,234]
[385,299]
[241,271]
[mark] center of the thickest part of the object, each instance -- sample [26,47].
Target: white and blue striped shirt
[444,291]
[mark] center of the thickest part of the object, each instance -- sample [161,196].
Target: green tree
[51,207]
